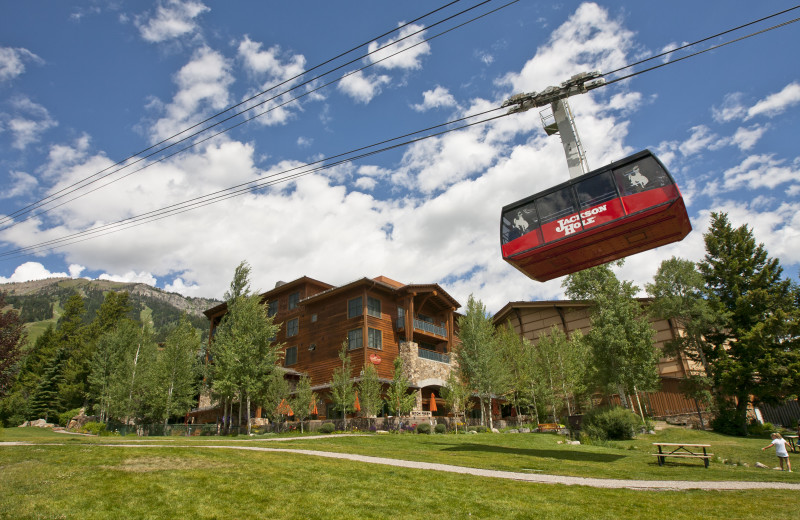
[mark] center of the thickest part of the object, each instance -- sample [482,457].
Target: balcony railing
[430,328]
[434,356]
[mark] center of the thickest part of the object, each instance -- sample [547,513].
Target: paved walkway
[656,485]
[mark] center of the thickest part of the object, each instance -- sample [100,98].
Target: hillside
[40,302]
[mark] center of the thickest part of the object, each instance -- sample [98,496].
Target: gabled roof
[507,308]
[279,287]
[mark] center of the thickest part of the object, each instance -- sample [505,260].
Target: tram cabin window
[596,190]
[558,214]
[643,175]
[519,221]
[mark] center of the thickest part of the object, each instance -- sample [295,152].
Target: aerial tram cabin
[618,210]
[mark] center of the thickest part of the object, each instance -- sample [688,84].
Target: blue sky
[86,84]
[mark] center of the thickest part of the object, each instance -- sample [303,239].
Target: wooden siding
[532,320]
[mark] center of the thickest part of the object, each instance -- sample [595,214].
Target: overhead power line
[30,213]
[306,169]
[244,188]
[169,142]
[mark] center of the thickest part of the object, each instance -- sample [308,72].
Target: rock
[524,430]
[25,424]
[41,423]
[513,431]
[495,430]
[759,465]
[574,443]
[472,432]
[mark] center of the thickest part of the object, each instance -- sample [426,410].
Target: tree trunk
[249,422]
[623,398]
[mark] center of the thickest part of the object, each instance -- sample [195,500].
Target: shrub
[94,427]
[65,417]
[424,428]
[756,429]
[440,428]
[327,427]
[614,423]
[726,422]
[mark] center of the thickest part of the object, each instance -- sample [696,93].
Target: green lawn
[77,478]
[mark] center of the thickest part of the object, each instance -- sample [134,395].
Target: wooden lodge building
[379,318]
[533,319]
[382,319]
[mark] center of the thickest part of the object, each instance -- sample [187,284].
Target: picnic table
[681,450]
[792,441]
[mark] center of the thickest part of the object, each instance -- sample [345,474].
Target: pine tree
[754,349]
[12,337]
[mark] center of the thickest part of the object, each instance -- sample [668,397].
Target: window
[294,300]
[291,356]
[559,214]
[292,327]
[354,307]
[354,339]
[375,338]
[374,307]
[519,221]
[272,308]
[645,174]
[313,318]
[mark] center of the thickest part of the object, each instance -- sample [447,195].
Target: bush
[440,428]
[614,423]
[726,422]
[94,427]
[424,428]
[327,427]
[65,417]
[764,431]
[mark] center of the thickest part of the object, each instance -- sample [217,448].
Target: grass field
[76,477]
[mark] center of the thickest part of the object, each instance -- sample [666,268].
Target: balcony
[433,356]
[430,328]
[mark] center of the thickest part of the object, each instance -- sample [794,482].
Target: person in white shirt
[780,450]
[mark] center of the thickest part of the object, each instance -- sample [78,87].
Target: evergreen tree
[12,337]
[72,338]
[46,400]
[753,348]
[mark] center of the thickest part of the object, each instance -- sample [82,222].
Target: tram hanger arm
[577,84]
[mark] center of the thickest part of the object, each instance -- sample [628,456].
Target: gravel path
[653,485]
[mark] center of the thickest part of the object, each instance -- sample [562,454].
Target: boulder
[41,423]
[25,424]
[524,430]
[759,465]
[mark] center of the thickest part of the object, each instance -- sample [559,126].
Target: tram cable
[244,188]
[196,143]
[121,164]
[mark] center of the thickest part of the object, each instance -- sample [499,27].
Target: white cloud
[731,109]
[271,62]
[436,98]
[181,287]
[410,47]
[30,271]
[746,138]
[363,88]
[130,277]
[21,184]
[29,122]
[171,20]
[305,142]
[12,62]
[588,40]
[775,104]
[701,139]
[760,171]
[202,88]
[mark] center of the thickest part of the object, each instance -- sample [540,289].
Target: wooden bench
[549,427]
[681,450]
